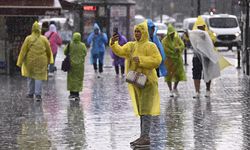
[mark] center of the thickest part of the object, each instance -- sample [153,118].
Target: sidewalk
[104,118]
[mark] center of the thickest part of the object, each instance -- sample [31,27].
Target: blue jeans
[35,86]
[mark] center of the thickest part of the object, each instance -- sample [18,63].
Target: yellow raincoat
[35,55]
[223,63]
[145,101]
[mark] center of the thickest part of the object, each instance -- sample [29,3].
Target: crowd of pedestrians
[147,58]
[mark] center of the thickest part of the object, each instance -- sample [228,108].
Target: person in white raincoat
[205,58]
[142,56]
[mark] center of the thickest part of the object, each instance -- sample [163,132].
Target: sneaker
[144,142]
[197,95]
[38,98]
[171,93]
[207,94]
[72,97]
[135,141]
[77,98]
[51,74]
[176,93]
[99,75]
[29,96]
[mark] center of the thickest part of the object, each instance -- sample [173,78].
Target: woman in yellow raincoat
[173,47]
[142,56]
[34,57]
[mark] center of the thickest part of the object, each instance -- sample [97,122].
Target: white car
[162,30]
[226,29]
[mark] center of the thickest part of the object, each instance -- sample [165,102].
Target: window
[223,22]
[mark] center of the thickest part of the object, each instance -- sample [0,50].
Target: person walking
[205,59]
[77,52]
[152,30]
[173,47]
[118,61]
[55,41]
[34,57]
[97,41]
[141,55]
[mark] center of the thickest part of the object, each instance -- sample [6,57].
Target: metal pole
[238,57]
[185,57]
[246,37]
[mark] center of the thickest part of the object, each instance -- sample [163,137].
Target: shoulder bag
[66,62]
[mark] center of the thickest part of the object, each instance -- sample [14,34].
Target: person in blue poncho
[152,30]
[97,41]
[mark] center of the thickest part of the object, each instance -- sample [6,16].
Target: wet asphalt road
[103,119]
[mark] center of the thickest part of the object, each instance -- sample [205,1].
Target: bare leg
[169,85]
[197,85]
[175,85]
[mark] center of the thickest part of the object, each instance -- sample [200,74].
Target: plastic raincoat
[204,49]
[35,55]
[118,60]
[162,68]
[174,50]
[77,52]
[223,63]
[145,101]
[97,43]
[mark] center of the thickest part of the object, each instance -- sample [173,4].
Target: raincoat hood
[200,22]
[171,30]
[76,37]
[150,26]
[36,28]
[143,28]
[52,28]
[96,27]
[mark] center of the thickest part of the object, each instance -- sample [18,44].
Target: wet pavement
[104,120]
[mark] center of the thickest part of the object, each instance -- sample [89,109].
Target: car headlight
[237,34]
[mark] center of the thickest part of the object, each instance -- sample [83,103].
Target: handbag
[136,78]
[66,62]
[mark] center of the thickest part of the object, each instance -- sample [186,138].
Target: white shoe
[207,94]
[50,74]
[172,93]
[197,95]
[176,93]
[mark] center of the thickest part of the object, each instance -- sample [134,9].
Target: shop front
[16,19]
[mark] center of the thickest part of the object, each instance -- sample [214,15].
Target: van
[188,23]
[225,28]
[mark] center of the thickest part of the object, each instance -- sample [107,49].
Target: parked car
[226,29]
[162,30]
[139,19]
[188,23]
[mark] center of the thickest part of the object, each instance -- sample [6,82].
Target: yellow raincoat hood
[143,27]
[200,22]
[36,28]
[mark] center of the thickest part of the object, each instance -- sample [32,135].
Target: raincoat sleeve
[122,51]
[48,52]
[90,38]
[23,52]
[104,38]
[152,60]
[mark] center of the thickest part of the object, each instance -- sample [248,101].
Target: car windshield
[190,26]
[223,22]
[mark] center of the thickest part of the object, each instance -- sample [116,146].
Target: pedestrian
[55,41]
[118,62]
[142,55]
[77,52]
[97,41]
[205,59]
[152,30]
[34,57]
[173,47]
